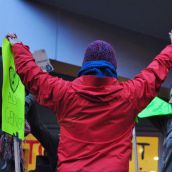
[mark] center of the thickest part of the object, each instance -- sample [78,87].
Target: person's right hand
[12,38]
[170,34]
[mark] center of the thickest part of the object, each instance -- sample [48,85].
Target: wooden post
[135,150]
[16,154]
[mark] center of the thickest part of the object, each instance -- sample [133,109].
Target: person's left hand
[12,38]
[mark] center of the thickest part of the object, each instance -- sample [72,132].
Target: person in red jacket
[96,112]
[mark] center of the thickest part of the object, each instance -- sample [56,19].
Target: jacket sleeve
[145,86]
[47,90]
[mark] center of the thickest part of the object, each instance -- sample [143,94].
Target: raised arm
[145,86]
[47,90]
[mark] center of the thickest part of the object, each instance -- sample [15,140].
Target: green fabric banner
[13,95]
[157,107]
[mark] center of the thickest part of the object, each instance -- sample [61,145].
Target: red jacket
[96,115]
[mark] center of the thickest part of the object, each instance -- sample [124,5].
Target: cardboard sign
[13,95]
[147,149]
[32,148]
[42,60]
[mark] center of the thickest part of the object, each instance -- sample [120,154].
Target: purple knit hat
[100,50]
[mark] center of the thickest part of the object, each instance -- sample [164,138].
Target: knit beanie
[100,50]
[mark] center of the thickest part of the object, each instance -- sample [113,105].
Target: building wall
[65,35]
[34,24]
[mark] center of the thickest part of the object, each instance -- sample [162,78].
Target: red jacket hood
[96,89]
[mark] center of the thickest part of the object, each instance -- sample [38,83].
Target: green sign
[157,107]
[13,95]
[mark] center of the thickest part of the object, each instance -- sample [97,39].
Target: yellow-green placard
[13,95]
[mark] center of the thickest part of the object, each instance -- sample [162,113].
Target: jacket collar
[91,80]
